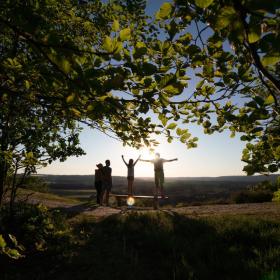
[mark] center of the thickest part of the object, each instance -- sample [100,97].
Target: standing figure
[107,182]
[130,173]
[98,182]
[159,174]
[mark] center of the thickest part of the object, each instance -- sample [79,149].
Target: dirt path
[257,209]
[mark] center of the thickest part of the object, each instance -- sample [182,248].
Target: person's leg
[161,179]
[98,187]
[156,191]
[131,186]
[107,197]
[156,184]
[128,186]
[98,195]
[130,183]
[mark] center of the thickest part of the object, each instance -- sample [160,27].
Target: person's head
[130,162]
[99,165]
[107,162]
[157,155]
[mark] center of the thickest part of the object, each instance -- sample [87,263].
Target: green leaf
[185,39]
[203,3]
[172,126]
[149,69]
[164,11]
[226,16]
[14,254]
[65,65]
[270,59]
[174,89]
[115,26]
[269,100]
[108,44]
[163,119]
[2,242]
[27,84]
[125,34]
[254,31]
[179,131]
[70,98]
[117,47]
[13,239]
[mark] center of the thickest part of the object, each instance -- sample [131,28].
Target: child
[130,173]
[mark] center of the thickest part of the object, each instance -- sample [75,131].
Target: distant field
[186,190]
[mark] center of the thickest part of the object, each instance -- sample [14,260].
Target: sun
[146,153]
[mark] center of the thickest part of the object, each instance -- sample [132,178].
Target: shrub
[252,196]
[276,196]
[34,226]
[12,250]
[36,183]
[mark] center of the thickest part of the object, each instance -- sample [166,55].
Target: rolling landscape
[184,190]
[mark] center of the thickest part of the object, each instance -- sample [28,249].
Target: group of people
[103,182]
[103,177]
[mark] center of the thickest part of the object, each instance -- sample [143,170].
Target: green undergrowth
[150,245]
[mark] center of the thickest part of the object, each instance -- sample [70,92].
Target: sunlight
[146,153]
[130,201]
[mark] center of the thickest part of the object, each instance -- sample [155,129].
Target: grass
[40,196]
[159,245]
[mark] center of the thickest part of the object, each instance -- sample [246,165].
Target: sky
[216,155]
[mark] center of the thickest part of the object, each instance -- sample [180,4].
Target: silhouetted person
[98,183]
[107,182]
[130,173]
[159,174]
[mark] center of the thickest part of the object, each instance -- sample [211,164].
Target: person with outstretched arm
[159,174]
[130,173]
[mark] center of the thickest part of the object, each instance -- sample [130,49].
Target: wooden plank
[136,196]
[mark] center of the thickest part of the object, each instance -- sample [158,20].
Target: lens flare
[130,201]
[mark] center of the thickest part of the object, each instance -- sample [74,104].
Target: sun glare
[146,153]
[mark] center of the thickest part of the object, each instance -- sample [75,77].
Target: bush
[34,226]
[10,247]
[276,196]
[252,196]
[36,183]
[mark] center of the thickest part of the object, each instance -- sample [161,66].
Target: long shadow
[157,245]
[77,209]
[165,245]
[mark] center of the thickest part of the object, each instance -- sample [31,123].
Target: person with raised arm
[130,174]
[159,174]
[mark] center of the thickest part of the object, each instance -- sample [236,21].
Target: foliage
[66,63]
[60,62]
[253,196]
[276,196]
[262,192]
[35,227]
[232,47]
[14,253]
[36,183]
[158,245]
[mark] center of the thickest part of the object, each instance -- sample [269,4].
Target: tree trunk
[3,177]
